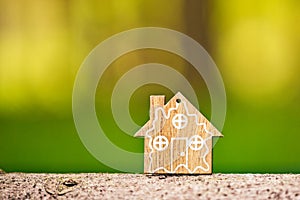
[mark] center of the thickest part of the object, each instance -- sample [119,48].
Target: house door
[179,153]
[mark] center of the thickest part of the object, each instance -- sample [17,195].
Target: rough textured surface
[140,186]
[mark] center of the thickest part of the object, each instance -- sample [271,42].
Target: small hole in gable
[178,100]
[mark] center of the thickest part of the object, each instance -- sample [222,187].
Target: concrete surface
[140,186]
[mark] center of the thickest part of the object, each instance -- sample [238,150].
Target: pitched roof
[215,133]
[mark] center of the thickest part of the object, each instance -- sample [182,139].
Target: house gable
[176,104]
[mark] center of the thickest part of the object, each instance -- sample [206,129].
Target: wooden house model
[177,138]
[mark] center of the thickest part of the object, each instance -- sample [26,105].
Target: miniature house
[177,138]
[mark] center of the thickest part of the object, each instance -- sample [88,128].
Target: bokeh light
[255,45]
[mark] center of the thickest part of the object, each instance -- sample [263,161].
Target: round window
[196,143]
[179,121]
[160,143]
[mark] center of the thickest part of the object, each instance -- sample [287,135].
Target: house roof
[215,133]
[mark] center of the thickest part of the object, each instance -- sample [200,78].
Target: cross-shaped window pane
[179,121]
[160,143]
[196,142]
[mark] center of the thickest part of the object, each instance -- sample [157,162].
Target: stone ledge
[140,186]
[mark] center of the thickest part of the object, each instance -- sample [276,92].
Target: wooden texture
[178,138]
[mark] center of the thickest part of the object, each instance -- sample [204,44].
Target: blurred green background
[255,44]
